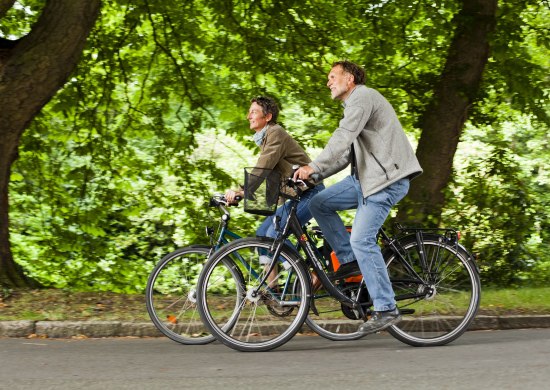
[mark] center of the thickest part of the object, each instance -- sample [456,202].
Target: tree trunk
[444,118]
[32,70]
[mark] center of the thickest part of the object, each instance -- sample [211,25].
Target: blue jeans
[372,211]
[267,228]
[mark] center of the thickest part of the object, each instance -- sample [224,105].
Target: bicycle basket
[261,190]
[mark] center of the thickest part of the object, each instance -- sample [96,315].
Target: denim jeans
[267,228]
[371,213]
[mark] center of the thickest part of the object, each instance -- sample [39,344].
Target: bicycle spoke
[266,316]
[170,296]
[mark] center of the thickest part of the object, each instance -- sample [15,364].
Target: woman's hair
[269,106]
[355,70]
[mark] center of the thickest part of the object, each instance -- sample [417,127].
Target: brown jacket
[279,152]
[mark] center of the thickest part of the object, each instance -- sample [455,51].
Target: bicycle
[435,280]
[171,287]
[170,292]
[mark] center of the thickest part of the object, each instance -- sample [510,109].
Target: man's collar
[351,93]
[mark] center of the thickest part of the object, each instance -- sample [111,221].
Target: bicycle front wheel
[437,287]
[171,295]
[252,316]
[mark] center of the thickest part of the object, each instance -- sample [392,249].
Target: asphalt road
[506,359]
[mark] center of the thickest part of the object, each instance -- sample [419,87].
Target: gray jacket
[383,152]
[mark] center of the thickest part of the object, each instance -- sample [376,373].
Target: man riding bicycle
[371,140]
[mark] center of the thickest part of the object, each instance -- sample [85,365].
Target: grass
[526,300]
[62,305]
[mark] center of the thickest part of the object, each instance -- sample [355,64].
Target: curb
[482,322]
[77,329]
[100,329]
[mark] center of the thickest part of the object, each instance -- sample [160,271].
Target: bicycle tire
[171,296]
[258,321]
[450,286]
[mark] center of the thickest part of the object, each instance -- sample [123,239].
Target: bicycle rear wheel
[247,316]
[171,295]
[442,297]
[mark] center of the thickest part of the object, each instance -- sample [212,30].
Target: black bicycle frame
[292,225]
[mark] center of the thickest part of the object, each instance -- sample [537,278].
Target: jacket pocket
[380,165]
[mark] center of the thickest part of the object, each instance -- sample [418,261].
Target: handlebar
[301,184]
[218,200]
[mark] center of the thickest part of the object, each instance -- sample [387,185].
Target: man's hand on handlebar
[303,173]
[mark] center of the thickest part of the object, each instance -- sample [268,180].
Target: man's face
[340,83]
[256,117]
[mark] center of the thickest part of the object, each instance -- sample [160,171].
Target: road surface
[507,359]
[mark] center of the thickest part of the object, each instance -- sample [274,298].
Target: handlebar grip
[309,184]
[215,202]
[236,201]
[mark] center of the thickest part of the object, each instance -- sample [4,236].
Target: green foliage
[19,19]
[115,171]
[500,199]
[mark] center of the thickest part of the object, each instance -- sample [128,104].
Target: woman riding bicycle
[279,152]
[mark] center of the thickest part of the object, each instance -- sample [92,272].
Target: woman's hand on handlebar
[233,197]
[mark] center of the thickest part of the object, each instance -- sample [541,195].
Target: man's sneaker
[346,270]
[380,320]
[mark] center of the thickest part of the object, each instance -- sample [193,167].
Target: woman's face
[257,118]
